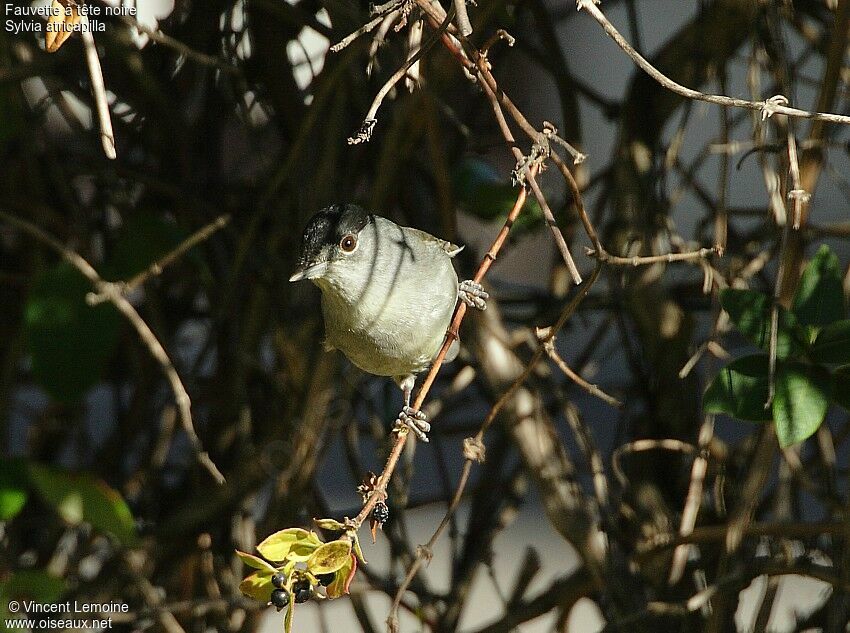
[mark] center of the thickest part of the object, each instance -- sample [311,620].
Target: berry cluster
[380,513]
[302,589]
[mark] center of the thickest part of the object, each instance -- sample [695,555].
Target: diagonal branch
[112,292]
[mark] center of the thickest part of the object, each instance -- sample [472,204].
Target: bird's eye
[348,243]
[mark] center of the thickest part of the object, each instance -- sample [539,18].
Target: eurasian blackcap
[388,294]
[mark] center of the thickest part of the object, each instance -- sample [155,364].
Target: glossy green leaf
[750,312]
[70,341]
[800,401]
[832,344]
[329,557]
[740,389]
[255,561]
[487,195]
[80,498]
[13,488]
[820,296]
[258,586]
[841,386]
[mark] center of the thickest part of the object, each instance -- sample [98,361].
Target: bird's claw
[413,420]
[473,294]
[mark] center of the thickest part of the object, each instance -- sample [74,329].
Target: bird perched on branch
[388,295]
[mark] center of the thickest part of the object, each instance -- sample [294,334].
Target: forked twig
[112,292]
[774,105]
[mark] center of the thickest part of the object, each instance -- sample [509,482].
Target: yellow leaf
[255,562]
[342,581]
[330,557]
[258,586]
[290,544]
[60,24]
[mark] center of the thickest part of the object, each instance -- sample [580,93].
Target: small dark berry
[303,590]
[325,579]
[381,512]
[278,580]
[280,598]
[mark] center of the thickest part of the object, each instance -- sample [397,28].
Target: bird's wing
[450,249]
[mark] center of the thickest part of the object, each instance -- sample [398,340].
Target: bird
[388,295]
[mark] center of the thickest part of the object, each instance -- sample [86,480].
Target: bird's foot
[413,420]
[473,294]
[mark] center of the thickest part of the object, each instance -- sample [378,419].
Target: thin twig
[473,447]
[769,107]
[584,438]
[639,446]
[452,334]
[493,94]
[348,39]
[593,390]
[188,52]
[693,498]
[364,134]
[162,263]
[107,136]
[652,259]
[112,292]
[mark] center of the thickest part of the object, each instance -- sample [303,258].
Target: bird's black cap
[329,226]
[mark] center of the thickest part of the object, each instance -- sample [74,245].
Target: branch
[669,258]
[107,136]
[593,390]
[380,488]
[774,105]
[162,263]
[473,448]
[112,292]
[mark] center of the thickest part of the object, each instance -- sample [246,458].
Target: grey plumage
[388,299]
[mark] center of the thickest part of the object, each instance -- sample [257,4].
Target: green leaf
[13,488]
[488,196]
[80,498]
[750,312]
[800,401]
[832,344]
[329,557]
[820,296]
[29,584]
[344,576]
[292,543]
[358,551]
[258,586]
[69,340]
[255,561]
[12,501]
[142,241]
[740,389]
[841,386]
[329,524]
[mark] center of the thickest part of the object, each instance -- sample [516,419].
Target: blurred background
[231,118]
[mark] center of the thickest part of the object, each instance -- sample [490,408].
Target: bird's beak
[310,272]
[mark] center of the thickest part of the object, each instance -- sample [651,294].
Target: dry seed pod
[64,17]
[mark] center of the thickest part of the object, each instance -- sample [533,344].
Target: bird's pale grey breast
[399,306]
